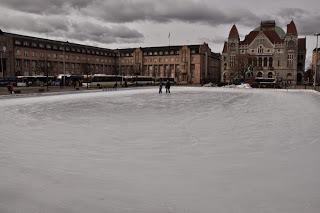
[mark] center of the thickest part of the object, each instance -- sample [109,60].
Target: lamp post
[316,63]
[3,51]
[64,63]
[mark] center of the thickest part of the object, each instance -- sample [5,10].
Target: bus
[139,80]
[37,80]
[102,80]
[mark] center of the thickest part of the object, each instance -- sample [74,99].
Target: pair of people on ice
[167,87]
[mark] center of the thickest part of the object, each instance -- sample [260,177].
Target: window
[17,42]
[260,49]
[232,61]
[260,74]
[17,52]
[270,62]
[270,75]
[26,44]
[34,44]
[290,59]
[265,62]
[260,62]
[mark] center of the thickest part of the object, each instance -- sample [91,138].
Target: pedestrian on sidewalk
[160,87]
[168,87]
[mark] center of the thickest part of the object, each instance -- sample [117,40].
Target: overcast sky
[135,23]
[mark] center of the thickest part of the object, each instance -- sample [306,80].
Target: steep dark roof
[292,29]
[250,37]
[234,32]
[273,36]
[225,47]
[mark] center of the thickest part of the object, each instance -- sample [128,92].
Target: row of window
[61,56]
[42,64]
[63,47]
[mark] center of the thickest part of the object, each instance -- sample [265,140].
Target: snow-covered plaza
[197,150]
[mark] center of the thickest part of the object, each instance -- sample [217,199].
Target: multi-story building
[192,64]
[316,63]
[25,55]
[268,51]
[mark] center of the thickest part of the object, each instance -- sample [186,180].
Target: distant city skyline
[123,23]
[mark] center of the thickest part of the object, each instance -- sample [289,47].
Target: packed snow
[195,150]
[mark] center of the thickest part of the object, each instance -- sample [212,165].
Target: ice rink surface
[198,150]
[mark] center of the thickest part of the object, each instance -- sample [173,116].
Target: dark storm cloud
[71,28]
[33,23]
[125,11]
[45,6]
[166,11]
[103,34]
[307,23]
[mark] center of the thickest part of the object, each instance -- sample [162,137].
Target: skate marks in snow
[195,150]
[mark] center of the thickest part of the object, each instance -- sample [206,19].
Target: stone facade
[316,60]
[192,64]
[266,52]
[24,55]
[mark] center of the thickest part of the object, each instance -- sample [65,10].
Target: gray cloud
[70,28]
[125,11]
[166,11]
[307,23]
[88,31]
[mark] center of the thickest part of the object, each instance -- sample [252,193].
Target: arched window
[270,75]
[270,62]
[265,62]
[255,62]
[289,76]
[225,66]
[260,74]
[260,49]
[260,62]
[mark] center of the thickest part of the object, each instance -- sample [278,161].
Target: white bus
[102,80]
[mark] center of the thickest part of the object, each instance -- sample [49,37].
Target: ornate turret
[234,34]
[292,29]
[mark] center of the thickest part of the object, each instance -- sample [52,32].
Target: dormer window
[260,49]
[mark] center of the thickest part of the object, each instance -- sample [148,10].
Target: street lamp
[315,70]
[64,63]
[3,51]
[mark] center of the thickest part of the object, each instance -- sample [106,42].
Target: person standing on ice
[160,87]
[168,87]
